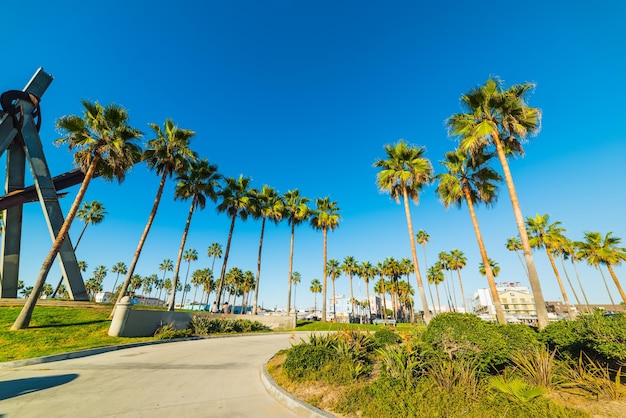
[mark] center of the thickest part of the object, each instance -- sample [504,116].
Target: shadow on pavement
[13,388]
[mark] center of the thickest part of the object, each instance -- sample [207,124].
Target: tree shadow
[17,387]
[97,321]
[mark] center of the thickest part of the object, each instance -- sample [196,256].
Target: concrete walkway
[217,377]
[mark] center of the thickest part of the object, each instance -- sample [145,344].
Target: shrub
[386,336]
[305,361]
[601,337]
[205,325]
[519,336]
[467,337]
[168,332]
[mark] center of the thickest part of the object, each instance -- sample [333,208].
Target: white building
[517,302]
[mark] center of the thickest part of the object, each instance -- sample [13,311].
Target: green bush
[519,336]
[600,337]
[304,361]
[205,325]
[386,336]
[168,332]
[466,337]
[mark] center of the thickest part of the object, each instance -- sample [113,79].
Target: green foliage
[401,364]
[451,375]
[590,378]
[168,332]
[516,389]
[538,367]
[305,361]
[205,325]
[385,336]
[519,336]
[600,337]
[458,336]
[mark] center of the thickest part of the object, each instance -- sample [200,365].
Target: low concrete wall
[129,322]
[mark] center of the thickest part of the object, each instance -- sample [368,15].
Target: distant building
[517,302]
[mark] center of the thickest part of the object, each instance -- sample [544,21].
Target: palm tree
[435,276]
[604,250]
[119,268]
[540,233]
[333,271]
[296,278]
[367,272]
[444,264]
[90,213]
[235,201]
[190,255]
[349,267]
[165,266]
[167,154]
[105,145]
[457,262]
[422,238]
[215,251]
[325,217]
[492,264]
[266,204]
[199,278]
[514,244]
[500,118]
[296,212]
[316,287]
[469,179]
[571,251]
[198,184]
[404,173]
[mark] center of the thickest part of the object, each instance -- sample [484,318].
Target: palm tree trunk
[580,284]
[458,272]
[418,277]
[568,279]
[430,289]
[142,240]
[563,293]
[258,269]
[522,262]
[23,319]
[617,284]
[495,296]
[438,299]
[533,277]
[324,272]
[332,279]
[606,286]
[290,278]
[351,295]
[367,292]
[170,306]
[195,293]
[220,288]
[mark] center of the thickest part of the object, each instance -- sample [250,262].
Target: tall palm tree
[198,184]
[514,244]
[198,278]
[295,280]
[469,179]
[349,267]
[604,250]
[422,238]
[457,262]
[403,175]
[316,287]
[499,118]
[105,145]
[266,204]
[571,251]
[234,200]
[560,245]
[334,271]
[215,251]
[118,268]
[165,266]
[435,276]
[325,217]
[167,154]
[444,264]
[367,272]
[190,255]
[90,213]
[296,212]
[540,231]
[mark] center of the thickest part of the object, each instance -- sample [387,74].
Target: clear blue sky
[305,95]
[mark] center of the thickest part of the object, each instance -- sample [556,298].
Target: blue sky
[305,95]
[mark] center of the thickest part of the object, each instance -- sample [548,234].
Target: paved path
[216,377]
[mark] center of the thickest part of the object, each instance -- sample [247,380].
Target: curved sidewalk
[214,377]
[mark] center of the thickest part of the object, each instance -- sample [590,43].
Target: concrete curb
[297,406]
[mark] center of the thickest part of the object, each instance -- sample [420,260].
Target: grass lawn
[340,326]
[55,330]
